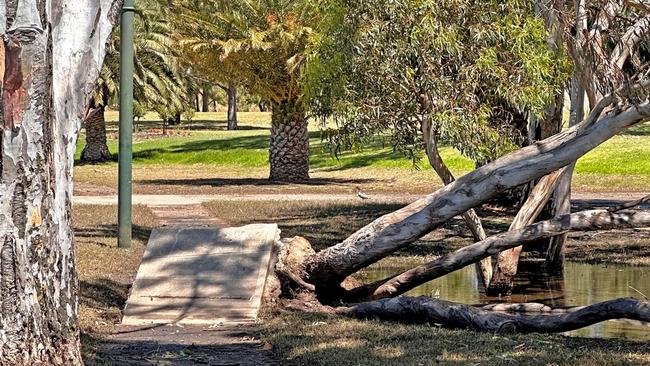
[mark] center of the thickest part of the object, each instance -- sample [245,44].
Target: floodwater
[582,284]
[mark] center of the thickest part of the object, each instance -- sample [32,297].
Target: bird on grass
[361,194]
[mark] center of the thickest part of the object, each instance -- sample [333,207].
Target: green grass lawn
[622,163]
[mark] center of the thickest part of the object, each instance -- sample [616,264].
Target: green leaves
[258,44]
[474,67]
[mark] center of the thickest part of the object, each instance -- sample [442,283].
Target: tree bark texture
[205,98]
[562,195]
[327,268]
[232,107]
[96,149]
[579,221]
[506,264]
[289,149]
[425,310]
[473,221]
[52,52]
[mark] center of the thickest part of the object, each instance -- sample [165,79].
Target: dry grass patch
[105,272]
[313,339]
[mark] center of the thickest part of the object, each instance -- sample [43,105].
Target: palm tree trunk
[205,98]
[232,107]
[289,149]
[96,149]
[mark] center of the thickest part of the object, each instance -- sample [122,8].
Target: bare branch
[580,221]
[629,40]
[631,204]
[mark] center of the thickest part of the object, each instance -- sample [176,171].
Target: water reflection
[582,284]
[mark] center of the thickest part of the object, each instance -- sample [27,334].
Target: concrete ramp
[201,275]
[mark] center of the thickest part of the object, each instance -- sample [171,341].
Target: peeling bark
[53,51]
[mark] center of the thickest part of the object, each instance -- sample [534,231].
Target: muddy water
[582,284]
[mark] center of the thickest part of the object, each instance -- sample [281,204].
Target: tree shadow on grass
[326,223]
[103,293]
[187,346]
[103,231]
[223,182]
[642,129]
[328,163]
[340,341]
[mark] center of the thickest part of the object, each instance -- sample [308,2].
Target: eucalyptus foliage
[475,68]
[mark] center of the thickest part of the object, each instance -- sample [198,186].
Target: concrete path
[186,215]
[177,200]
[201,275]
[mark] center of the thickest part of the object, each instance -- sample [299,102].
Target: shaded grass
[105,272]
[623,163]
[312,339]
[326,223]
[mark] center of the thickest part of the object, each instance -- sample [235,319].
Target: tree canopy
[476,69]
[257,43]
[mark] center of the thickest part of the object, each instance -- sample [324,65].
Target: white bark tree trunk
[53,51]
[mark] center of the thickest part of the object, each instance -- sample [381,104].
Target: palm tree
[260,45]
[158,81]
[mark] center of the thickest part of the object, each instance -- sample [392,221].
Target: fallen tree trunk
[473,221]
[327,268]
[425,310]
[579,221]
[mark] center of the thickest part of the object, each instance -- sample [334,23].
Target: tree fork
[328,268]
[507,261]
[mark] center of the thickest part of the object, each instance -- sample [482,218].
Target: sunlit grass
[622,163]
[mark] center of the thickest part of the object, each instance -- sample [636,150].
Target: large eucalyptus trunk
[289,150]
[96,149]
[52,51]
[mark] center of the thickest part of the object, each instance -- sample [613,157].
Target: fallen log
[425,310]
[327,268]
[579,221]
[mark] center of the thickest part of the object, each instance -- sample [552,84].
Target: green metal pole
[124,219]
